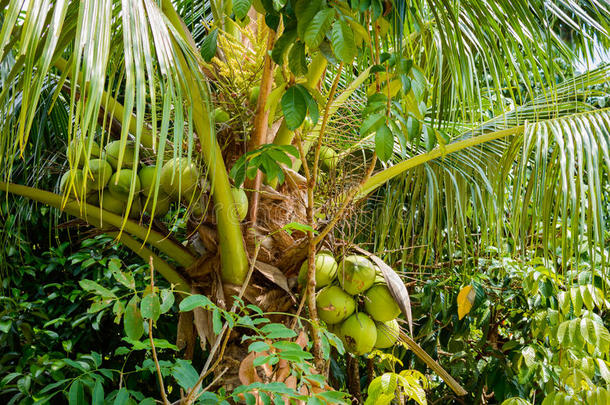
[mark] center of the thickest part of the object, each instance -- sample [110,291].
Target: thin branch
[192,395]
[261,122]
[331,96]
[310,291]
[150,337]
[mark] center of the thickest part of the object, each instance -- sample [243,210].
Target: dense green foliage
[461,146]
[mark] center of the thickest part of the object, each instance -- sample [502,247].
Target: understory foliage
[196,155]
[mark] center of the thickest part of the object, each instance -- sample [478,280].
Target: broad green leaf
[342,40]
[429,138]
[283,43]
[258,346]
[312,107]
[384,143]
[318,27]
[185,374]
[294,107]
[76,394]
[286,345]
[150,307]
[305,10]
[372,123]
[97,397]
[193,301]
[124,278]
[241,8]
[92,286]
[132,321]
[296,59]
[216,321]
[122,397]
[209,45]
[277,331]
[167,300]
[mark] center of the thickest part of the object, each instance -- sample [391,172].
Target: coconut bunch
[355,302]
[100,182]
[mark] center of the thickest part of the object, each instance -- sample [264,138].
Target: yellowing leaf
[465,300]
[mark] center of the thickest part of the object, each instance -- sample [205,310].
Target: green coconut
[253,96]
[379,303]
[356,274]
[379,278]
[328,158]
[220,115]
[359,333]
[77,151]
[326,270]
[120,184]
[111,153]
[147,177]
[112,204]
[334,304]
[179,177]
[135,210]
[93,198]
[241,202]
[99,173]
[387,334]
[76,189]
[161,208]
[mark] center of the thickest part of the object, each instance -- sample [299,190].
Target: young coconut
[380,304]
[76,188]
[379,278]
[99,173]
[136,208]
[120,184]
[328,158]
[356,274]
[93,198]
[326,270]
[112,150]
[161,207]
[334,304]
[148,179]
[241,202]
[253,96]
[179,177]
[77,151]
[359,333]
[110,203]
[387,334]
[220,115]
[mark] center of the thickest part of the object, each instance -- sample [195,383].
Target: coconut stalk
[261,123]
[100,218]
[234,261]
[386,175]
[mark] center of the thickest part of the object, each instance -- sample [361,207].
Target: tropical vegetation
[295,201]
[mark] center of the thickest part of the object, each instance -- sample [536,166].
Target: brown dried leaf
[274,275]
[283,370]
[247,371]
[302,339]
[203,325]
[395,285]
[185,329]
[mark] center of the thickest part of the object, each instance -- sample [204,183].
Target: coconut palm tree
[460,118]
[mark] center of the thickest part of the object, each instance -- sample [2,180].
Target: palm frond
[541,187]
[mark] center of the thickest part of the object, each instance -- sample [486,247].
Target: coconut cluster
[100,182]
[355,302]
